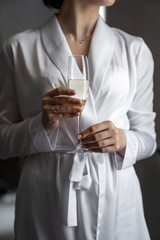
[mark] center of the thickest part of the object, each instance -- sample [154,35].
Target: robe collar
[100,53]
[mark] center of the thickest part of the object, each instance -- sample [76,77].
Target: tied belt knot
[80,179]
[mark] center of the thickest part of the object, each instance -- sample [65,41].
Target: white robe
[73,197]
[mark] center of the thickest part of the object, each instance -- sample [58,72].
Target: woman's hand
[104,137]
[58,104]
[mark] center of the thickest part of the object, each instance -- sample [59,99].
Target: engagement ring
[53,109]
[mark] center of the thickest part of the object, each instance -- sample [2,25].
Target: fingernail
[77,101]
[73,91]
[79,136]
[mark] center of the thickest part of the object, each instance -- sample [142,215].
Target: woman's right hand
[58,104]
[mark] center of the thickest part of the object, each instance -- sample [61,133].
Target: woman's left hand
[104,138]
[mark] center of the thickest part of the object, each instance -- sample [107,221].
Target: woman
[65,196]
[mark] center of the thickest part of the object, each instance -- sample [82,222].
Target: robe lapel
[101,51]
[100,54]
[56,46]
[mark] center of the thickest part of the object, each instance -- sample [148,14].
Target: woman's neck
[78,18]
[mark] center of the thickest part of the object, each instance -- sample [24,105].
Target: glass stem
[79,129]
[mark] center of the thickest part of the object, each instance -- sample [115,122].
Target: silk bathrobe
[62,196]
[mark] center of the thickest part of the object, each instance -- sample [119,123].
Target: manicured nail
[73,91]
[78,101]
[79,136]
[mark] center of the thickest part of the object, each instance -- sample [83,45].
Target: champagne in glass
[81,87]
[78,77]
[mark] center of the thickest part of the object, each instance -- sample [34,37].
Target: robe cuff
[130,156]
[41,141]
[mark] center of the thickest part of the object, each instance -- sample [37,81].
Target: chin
[106,2]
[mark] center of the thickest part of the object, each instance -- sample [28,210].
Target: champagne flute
[78,79]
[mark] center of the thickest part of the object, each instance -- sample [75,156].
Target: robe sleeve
[141,137]
[18,137]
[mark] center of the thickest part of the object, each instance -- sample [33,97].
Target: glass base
[79,149]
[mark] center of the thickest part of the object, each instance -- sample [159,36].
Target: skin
[77,18]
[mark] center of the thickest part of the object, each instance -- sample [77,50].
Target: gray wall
[142,18]
[18,15]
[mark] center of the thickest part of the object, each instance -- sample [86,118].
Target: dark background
[140,18]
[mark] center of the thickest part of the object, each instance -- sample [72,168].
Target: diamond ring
[53,109]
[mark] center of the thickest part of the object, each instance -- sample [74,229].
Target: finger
[100,144]
[61,91]
[58,116]
[97,137]
[62,101]
[96,128]
[108,149]
[62,109]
